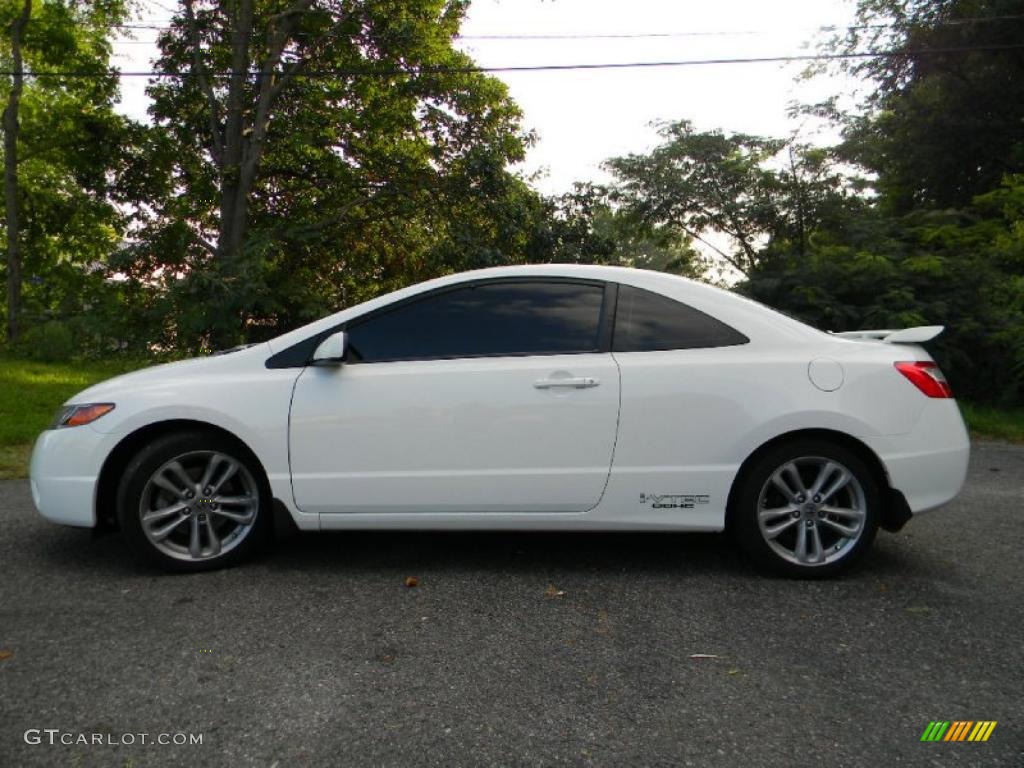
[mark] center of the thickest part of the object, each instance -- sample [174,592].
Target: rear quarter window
[646,322]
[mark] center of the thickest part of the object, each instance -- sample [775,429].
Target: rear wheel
[194,501]
[807,508]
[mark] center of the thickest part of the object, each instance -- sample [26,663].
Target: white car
[541,397]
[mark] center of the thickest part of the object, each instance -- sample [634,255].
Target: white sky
[583,117]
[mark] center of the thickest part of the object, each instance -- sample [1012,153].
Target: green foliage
[938,128]
[385,161]
[998,423]
[749,189]
[586,227]
[942,240]
[70,142]
[392,173]
[961,269]
[51,342]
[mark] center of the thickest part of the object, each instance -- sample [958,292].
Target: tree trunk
[10,128]
[234,202]
[800,220]
[242,139]
[236,144]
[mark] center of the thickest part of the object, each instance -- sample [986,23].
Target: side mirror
[331,350]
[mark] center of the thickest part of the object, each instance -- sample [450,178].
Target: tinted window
[646,321]
[504,318]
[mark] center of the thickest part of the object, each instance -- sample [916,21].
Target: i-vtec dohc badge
[673,500]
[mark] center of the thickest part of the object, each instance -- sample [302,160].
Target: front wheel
[807,508]
[194,501]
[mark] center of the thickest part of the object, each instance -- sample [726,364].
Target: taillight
[926,376]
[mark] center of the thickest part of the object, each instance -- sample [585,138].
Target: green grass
[996,423]
[30,394]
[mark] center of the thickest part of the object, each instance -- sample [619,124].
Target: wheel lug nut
[796,513]
[817,499]
[207,491]
[810,523]
[800,498]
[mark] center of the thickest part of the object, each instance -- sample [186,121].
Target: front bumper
[65,469]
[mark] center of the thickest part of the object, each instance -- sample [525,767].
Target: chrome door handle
[581,382]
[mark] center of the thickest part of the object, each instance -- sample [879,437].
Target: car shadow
[508,552]
[678,554]
[660,553]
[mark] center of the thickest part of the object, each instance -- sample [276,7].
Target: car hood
[169,373]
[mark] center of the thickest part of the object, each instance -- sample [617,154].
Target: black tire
[233,531]
[773,540]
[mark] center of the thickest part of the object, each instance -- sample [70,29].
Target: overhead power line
[162,25]
[391,72]
[718,33]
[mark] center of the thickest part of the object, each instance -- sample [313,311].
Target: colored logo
[958,730]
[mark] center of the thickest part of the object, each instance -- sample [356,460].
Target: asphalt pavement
[518,649]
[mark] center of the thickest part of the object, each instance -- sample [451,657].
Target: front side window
[646,321]
[530,317]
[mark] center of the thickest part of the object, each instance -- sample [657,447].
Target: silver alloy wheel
[811,511]
[199,505]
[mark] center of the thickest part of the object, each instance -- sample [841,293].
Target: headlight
[83,413]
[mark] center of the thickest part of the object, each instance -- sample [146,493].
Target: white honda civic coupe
[530,398]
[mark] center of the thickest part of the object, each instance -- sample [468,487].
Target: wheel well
[849,442]
[110,475]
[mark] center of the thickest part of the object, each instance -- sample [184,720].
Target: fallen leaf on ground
[412,581]
[4,655]
[552,592]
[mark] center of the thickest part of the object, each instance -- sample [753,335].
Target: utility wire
[163,26]
[720,33]
[390,72]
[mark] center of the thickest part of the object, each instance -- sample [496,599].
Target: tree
[958,268]
[939,128]
[310,146]
[939,241]
[731,193]
[16,39]
[240,114]
[584,226]
[45,121]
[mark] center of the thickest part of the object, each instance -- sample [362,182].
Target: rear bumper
[65,467]
[928,465]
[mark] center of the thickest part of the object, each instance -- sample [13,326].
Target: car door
[494,396]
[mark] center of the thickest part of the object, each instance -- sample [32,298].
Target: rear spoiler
[916,335]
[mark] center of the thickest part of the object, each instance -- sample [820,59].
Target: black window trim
[300,354]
